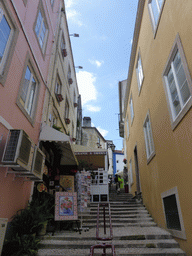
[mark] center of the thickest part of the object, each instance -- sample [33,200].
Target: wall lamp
[79,67]
[74,35]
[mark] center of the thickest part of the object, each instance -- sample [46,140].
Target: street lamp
[74,35]
[79,67]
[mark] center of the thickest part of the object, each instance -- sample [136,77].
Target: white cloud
[96,63]
[69,3]
[74,16]
[86,83]
[93,108]
[102,131]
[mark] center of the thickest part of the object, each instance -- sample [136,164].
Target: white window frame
[127,125]
[58,86]
[176,233]
[175,119]
[66,108]
[23,103]
[52,3]
[9,40]
[131,108]
[149,143]
[155,22]
[139,72]
[43,23]
[62,45]
[29,92]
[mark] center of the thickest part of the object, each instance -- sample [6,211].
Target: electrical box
[3,226]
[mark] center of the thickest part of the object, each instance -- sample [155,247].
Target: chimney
[86,122]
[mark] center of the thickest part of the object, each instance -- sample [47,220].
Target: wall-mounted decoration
[65,206]
[67,183]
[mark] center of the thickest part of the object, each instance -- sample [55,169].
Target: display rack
[83,182]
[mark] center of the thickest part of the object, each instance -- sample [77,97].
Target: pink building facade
[26,40]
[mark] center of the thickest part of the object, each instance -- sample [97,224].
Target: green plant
[21,245]
[26,221]
[43,203]
[57,128]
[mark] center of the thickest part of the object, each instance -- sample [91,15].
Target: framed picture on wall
[65,206]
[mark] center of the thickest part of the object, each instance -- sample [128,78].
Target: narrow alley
[134,233]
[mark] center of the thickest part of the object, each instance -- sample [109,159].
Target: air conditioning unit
[18,152]
[36,172]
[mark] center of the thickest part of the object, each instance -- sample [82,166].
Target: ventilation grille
[25,149]
[38,162]
[11,148]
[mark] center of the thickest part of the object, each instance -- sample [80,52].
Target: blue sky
[103,49]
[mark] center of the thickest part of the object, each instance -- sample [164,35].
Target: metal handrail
[103,246]
[104,222]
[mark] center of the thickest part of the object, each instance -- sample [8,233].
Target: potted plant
[59,97]
[64,52]
[22,236]
[43,203]
[67,120]
[125,161]
[70,80]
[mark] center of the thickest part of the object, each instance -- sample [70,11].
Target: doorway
[137,171]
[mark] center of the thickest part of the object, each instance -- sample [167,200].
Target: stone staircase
[134,233]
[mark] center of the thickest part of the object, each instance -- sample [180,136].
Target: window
[8,36]
[54,119]
[58,90]
[66,109]
[155,8]
[127,121]
[52,3]
[172,211]
[131,109]
[28,92]
[5,32]
[25,2]
[139,71]
[63,47]
[41,27]
[177,84]
[148,138]
[70,81]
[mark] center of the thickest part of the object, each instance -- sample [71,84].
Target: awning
[49,134]
[96,157]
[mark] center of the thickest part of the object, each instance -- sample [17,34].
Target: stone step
[141,224]
[119,220]
[119,252]
[69,244]
[114,217]
[119,207]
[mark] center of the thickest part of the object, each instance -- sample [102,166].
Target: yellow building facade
[158,114]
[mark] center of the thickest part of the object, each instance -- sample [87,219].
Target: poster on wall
[67,182]
[65,206]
